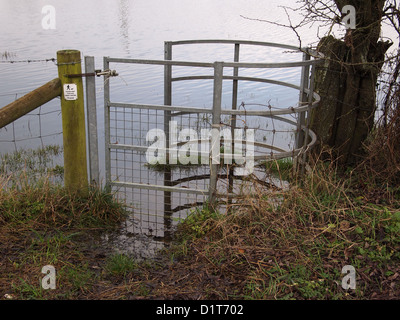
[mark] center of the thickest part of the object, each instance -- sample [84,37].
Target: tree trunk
[347,81]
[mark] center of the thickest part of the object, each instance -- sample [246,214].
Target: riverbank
[294,248]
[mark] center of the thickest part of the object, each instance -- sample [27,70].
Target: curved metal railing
[308,98]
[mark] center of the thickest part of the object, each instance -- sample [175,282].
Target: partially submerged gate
[164,160]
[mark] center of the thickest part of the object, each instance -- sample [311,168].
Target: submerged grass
[32,165]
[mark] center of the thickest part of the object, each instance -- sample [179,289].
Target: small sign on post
[70,92]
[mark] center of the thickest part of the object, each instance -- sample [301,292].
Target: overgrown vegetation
[296,250]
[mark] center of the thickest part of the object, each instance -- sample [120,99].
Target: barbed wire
[40,113]
[29,60]
[40,60]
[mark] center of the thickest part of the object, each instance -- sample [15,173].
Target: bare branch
[290,26]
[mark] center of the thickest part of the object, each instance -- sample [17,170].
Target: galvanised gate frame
[305,138]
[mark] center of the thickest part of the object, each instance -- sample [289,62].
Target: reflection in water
[146,232]
[123,17]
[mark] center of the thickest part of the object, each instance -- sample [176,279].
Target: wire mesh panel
[137,180]
[146,187]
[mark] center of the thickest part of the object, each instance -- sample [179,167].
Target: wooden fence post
[73,121]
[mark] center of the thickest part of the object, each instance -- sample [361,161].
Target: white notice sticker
[70,91]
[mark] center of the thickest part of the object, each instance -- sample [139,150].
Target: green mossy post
[73,123]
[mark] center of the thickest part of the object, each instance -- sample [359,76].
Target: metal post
[215,136]
[233,119]
[167,119]
[73,122]
[94,175]
[167,92]
[303,98]
[307,125]
[300,139]
[235,81]
[106,66]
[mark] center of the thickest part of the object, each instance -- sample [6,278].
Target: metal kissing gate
[165,159]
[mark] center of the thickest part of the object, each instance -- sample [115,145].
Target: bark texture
[347,82]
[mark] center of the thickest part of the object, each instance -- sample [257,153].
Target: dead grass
[293,250]
[383,150]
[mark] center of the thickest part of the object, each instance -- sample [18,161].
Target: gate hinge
[98,73]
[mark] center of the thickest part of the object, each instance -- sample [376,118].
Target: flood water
[128,29]
[137,29]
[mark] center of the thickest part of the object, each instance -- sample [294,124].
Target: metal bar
[210,65]
[167,91]
[282,152]
[163,62]
[167,119]
[308,131]
[94,175]
[270,65]
[215,138]
[235,80]
[245,42]
[281,83]
[159,107]
[145,148]
[304,84]
[106,66]
[158,187]
[79,75]
[267,113]
[310,51]
[235,84]
[224,111]
[300,138]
